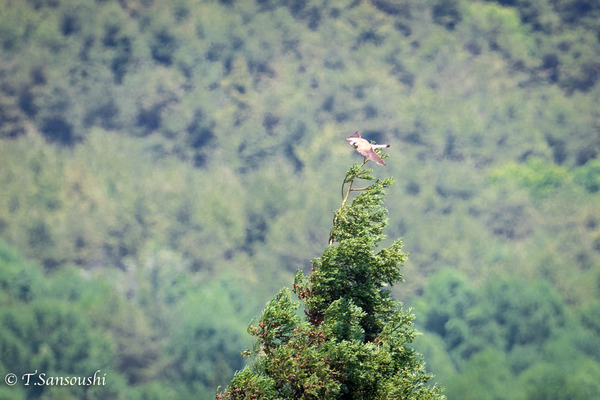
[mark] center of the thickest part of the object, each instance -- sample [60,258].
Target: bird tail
[380,146]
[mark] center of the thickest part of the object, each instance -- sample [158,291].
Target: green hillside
[166,167]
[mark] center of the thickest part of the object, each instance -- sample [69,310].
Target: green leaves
[342,320]
[508,330]
[277,323]
[588,176]
[190,139]
[366,218]
[45,327]
[353,340]
[537,175]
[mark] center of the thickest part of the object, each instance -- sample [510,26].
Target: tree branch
[347,195]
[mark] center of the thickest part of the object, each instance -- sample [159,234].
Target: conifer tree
[352,339]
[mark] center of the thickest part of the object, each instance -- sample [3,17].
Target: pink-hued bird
[365,148]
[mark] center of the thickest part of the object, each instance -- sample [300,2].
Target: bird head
[353,139]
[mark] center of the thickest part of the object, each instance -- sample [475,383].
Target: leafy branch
[355,172]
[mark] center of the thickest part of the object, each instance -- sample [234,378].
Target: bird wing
[368,152]
[375,158]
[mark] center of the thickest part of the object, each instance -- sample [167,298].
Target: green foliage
[588,176]
[19,280]
[472,321]
[164,148]
[44,332]
[353,340]
[546,381]
[536,175]
[501,30]
[204,347]
[506,331]
[485,376]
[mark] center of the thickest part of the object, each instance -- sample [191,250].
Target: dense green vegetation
[354,340]
[166,169]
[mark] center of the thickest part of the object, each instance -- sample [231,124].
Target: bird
[365,148]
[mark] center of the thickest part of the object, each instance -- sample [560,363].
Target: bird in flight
[365,148]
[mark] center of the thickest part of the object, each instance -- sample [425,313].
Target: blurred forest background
[166,167]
